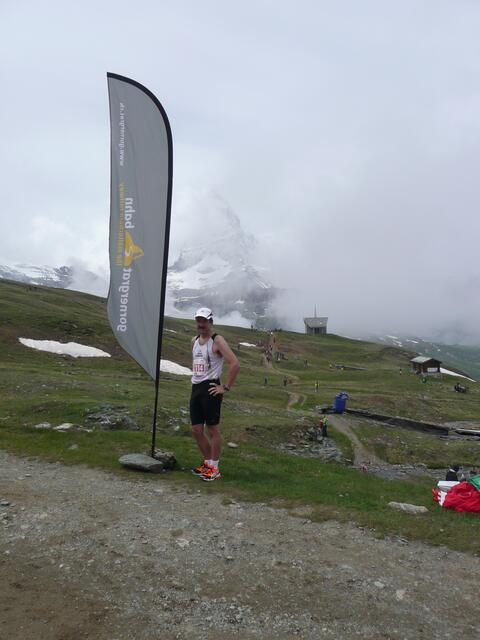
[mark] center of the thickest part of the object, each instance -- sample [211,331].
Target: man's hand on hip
[216,389]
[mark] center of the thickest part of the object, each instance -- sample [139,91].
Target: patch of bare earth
[86,554]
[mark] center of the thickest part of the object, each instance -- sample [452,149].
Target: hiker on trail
[305,364]
[452,474]
[324,425]
[209,350]
[285,381]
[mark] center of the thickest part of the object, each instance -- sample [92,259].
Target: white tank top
[207,365]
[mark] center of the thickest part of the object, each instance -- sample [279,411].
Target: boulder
[408,508]
[141,462]
[66,426]
[167,458]
[42,425]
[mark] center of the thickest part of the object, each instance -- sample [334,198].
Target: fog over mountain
[216,266]
[215,261]
[344,137]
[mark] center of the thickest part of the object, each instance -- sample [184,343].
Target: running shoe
[198,471]
[211,473]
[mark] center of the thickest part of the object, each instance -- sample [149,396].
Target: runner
[209,351]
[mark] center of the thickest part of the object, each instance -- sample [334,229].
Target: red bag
[463,497]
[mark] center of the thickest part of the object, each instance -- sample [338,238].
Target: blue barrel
[340,402]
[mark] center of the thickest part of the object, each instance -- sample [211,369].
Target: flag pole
[154,425]
[164,270]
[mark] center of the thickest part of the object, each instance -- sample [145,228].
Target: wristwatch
[226,387]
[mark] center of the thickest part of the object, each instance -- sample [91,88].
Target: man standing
[209,350]
[323,425]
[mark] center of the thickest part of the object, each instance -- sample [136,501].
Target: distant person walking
[209,350]
[324,425]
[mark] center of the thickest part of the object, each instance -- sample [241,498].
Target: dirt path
[85,554]
[368,461]
[267,362]
[362,456]
[294,398]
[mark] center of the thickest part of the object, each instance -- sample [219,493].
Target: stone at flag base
[167,458]
[141,462]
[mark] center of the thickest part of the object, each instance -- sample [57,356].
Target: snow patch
[167,366]
[82,351]
[452,373]
[247,344]
[208,272]
[65,348]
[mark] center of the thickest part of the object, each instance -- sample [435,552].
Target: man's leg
[202,441]
[213,472]
[213,406]
[215,441]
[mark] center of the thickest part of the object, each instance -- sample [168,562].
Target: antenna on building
[315,313]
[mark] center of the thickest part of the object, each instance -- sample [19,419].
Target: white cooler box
[446,485]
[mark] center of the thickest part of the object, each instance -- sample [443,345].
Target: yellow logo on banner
[132,251]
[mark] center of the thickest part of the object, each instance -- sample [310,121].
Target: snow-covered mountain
[75,277]
[214,267]
[217,271]
[47,276]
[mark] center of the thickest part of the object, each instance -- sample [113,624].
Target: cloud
[344,136]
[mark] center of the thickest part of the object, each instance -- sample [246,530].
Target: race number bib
[199,365]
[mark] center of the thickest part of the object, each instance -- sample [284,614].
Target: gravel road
[87,554]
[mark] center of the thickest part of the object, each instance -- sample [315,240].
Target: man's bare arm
[231,359]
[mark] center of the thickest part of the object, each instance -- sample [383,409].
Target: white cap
[204,312]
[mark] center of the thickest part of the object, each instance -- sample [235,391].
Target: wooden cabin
[425,365]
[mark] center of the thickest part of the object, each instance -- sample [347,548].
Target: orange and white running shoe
[198,471]
[211,473]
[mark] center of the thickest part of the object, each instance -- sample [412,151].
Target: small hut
[315,325]
[424,365]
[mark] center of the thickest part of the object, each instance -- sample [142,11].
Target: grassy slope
[39,386]
[402,446]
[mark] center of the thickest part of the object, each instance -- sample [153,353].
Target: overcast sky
[345,135]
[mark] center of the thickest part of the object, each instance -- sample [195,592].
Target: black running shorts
[204,407]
